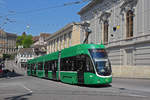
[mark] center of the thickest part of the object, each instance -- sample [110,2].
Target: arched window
[129,23]
[106,25]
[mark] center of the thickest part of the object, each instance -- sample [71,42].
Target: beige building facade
[7,43]
[39,44]
[66,37]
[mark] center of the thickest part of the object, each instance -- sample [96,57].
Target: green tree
[19,41]
[25,40]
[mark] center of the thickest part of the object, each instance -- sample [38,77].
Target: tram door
[54,69]
[30,71]
[31,67]
[46,70]
[35,69]
[80,72]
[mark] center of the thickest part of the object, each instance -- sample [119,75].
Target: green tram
[81,64]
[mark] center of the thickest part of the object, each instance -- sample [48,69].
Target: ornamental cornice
[128,5]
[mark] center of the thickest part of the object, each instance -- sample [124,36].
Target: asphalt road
[32,88]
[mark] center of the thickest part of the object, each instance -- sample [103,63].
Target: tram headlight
[91,75]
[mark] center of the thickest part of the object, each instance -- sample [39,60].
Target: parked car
[1,72]
[6,73]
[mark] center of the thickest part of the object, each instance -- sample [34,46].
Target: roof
[26,51]
[35,38]
[8,34]
[89,6]
[2,32]
[38,46]
[11,35]
[44,34]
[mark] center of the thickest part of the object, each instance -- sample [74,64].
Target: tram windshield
[101,61]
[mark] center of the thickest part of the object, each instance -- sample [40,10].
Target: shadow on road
[96,86]
[20,97]
[83,85]
[8,73]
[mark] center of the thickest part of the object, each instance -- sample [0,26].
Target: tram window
[55,64]
[73,64]
[67,64]
[77,63]
[89,65]
[84,63]
[61,65]
[34,66]
[40,66]
[80,62]
[49,66]
[31,66]
[46,65]
[28,66]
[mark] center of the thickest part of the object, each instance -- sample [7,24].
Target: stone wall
[131,71]
[75,35]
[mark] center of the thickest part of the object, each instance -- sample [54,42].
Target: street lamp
[28,27]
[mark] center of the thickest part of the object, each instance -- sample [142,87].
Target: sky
[36,16]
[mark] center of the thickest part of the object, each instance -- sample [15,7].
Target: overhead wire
[51,7]
[42,9]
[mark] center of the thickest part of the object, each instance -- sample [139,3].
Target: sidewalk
[134,84]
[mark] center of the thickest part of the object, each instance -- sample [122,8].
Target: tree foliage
[25,40]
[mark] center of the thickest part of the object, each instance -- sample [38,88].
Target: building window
[69,35]
[65,41]
[51,47]
[106,25]
[129,24]
[57,43]
[64,38]
[129,57]
[62,42]
[54,45]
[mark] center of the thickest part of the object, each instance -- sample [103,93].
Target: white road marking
[135,95]
[27,88]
